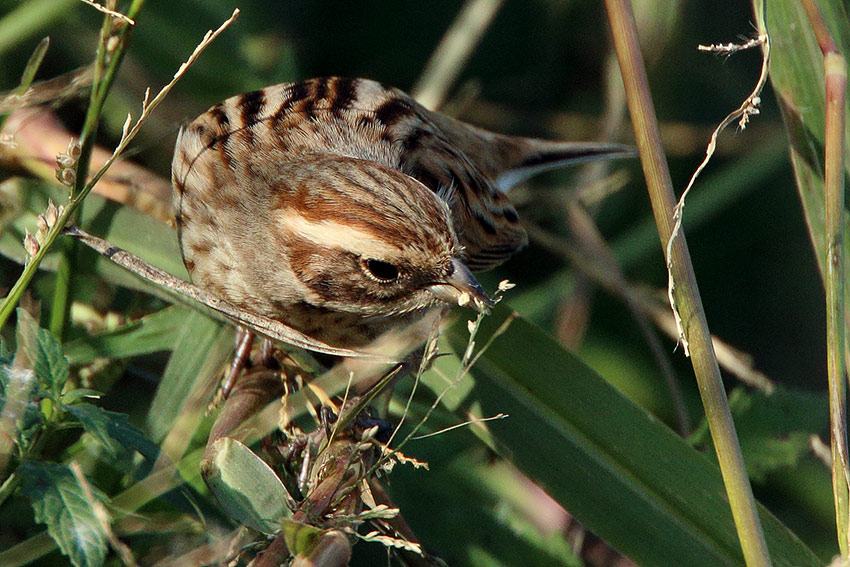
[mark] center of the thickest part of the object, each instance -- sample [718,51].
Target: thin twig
[264,325]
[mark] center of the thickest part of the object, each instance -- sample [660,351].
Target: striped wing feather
[246,138]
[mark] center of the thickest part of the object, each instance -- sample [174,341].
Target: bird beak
[462,288]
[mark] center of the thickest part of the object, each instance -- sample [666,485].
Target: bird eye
[380,270]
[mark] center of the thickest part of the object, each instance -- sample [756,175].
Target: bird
[346,209]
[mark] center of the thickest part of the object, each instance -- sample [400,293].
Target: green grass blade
[200,352]
[796,73]
[622,473]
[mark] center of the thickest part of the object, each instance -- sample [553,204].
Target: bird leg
[244,342]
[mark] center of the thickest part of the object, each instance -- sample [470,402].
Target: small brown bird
[344,208]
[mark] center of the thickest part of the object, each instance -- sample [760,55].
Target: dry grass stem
[454,51]
[149,105]
[56,89]
[749,107]
[473,421]
[108,11]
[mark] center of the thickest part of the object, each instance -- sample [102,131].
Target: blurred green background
[543,69]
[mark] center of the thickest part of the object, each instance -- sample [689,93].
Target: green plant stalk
[60,307]
[835,87]
[107,58]
[836,84]
[695,325]
[99,91]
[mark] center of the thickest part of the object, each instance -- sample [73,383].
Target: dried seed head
[30,244]
[74,150]
[369,434]
[66,176]
[51,215]
[7,139]
[41,234]
[65,161]
[505,285]
[433,347]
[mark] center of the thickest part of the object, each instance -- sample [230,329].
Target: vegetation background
[543,68]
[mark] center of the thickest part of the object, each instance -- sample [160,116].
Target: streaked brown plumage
[344,208]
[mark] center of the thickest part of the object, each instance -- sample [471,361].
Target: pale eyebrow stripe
[333,234]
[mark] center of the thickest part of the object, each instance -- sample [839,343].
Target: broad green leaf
[245,486]
[299,537]
[113,430]
[42,352]
[60,502]
[618,470]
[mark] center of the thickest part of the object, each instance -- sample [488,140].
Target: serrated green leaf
[42,352]
[110,428]
[246,487]
[60,503]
